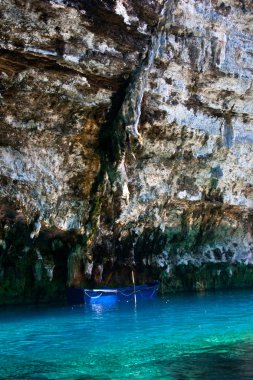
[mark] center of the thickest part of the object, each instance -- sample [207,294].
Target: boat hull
[110,296]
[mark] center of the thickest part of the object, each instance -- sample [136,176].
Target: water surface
[186,337]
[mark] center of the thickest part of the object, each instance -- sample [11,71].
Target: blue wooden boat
[112,295]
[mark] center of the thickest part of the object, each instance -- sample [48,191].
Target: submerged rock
[126,140]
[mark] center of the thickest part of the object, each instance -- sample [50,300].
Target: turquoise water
[181,337]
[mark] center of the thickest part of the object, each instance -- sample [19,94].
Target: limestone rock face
[126,140]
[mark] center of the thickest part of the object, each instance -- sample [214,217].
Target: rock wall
[126,140]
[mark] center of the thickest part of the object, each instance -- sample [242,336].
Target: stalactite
[36,227]
[228,134]
[88,269]
[74,259]
[125,124]
[130,110]
[228,130]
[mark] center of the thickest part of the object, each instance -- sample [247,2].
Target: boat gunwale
[130,288]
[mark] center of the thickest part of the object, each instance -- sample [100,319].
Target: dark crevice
[121,123]
[110,144]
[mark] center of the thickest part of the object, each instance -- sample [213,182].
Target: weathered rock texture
[126,139]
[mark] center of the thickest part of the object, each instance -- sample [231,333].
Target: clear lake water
[180,337]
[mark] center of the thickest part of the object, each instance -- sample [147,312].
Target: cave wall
[126,140]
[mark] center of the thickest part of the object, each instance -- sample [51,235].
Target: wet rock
[126,140]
